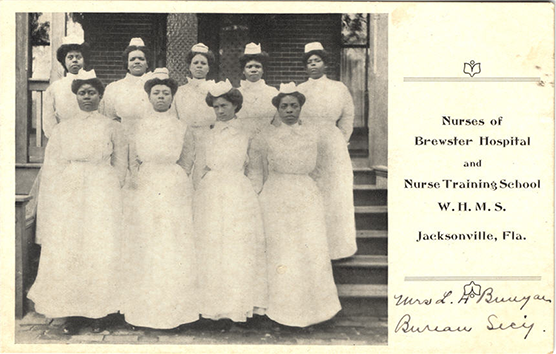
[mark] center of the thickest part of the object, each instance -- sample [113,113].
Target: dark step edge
[363,261]
[371,209]
[372,234]
[368,187]
[363,290]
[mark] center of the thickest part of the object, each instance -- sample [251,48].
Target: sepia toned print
[277,176]
[227,273]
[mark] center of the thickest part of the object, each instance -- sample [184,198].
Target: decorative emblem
[470,291]
[471,68]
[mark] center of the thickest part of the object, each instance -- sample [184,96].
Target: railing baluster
[38,116]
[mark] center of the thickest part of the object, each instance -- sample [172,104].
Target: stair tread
[371,209]
[366,187]
[372,233]
[363,290]
[380,261]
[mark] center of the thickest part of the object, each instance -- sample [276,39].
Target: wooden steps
[362,279]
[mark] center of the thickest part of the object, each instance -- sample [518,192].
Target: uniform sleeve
[345,123]
[187,157]
[119,159]
[321,153]
[178,105]
[257,170]
[200,165]
[134,163]
[107,104]
[49,119]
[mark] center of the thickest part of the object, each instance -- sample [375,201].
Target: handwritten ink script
[472,294]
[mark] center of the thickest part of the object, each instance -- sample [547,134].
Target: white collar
[323,78]
[296,129]
[248,85]
[85,115]
[133,78]
[221,126]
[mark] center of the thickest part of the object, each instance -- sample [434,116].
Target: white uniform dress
[329,108]
[79,219]
[160,268]
[60,104]
[229,228]
[301,286]
[127,101]
[191,106]
[257,110]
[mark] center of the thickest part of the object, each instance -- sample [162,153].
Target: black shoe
[223,325]
[72,326]
[98,325]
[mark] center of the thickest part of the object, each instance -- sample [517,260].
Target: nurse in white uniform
[329,109]
[257,111]
[126,100]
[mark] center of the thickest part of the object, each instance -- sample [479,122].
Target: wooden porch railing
[37,140]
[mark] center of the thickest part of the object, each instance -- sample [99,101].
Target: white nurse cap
[137,42]
[309,47]
[220,88]
[252,48]
[72,39]
[160,73]
[288,88]
[200,48]
[86,75]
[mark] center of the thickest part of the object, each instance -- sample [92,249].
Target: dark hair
[64,49]
[245,58]
[131,48]
[209,55]
[95,82]
[323,54]
[276,100]
[233,96]
[171,83]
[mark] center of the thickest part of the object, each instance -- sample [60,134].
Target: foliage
[39,30]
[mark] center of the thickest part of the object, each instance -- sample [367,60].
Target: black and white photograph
[201,178]
[277,177]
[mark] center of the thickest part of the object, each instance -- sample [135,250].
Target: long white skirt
[230,247]
[335,182]
[79,226]
[302,291]
[159,251]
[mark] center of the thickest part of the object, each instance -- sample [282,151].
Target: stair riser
[353,307]
[372,246]
[360,275]
[371,221]
[364,177]
[370,197]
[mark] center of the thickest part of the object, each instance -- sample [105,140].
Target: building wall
[109,34]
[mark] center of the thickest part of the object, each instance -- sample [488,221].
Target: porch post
[57,33]
[22,67]
[378,95]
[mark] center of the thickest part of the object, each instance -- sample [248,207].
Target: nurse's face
[253,71]
[161,98]
[224,109]
[74,61]
[199,66]
[88,98]
[137,63]
[289,110]
[315,67]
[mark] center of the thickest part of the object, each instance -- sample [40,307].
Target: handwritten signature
[472,293]
[406,326]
